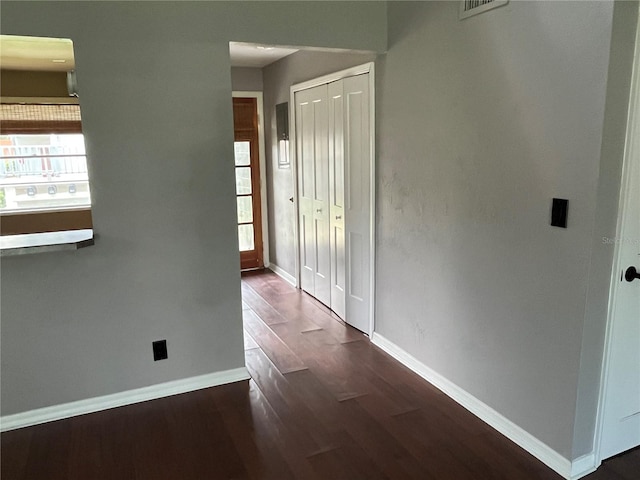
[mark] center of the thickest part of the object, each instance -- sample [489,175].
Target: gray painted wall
[246,79]
[155,90]
[480,123]
[278,78]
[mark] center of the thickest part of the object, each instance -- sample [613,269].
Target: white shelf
[11,245]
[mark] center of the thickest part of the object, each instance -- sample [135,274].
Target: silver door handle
[318,210]
[338,217]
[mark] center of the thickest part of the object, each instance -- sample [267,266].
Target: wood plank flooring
[323,404]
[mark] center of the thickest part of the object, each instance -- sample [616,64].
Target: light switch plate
[559,212]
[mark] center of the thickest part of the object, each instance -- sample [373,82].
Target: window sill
[11,245]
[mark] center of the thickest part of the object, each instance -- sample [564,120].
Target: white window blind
[18,118]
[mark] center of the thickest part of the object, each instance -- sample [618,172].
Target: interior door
[313,192]
[247,166]
[621,408]
[358,135]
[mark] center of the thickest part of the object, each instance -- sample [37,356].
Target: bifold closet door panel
[313,191]
[358,137]
[336,197]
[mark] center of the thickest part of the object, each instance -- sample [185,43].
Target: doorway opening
[249,172]
[275,70]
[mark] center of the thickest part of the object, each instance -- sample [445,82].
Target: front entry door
[247,166]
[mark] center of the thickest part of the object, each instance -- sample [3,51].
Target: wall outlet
[160,350]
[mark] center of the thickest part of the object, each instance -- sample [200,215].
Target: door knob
[338,217]
[631,274]
[318,210]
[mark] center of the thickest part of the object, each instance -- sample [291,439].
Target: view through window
[40,172]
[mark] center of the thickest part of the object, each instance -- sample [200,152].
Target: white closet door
[333,147]
[313,191]
[336,197]
[357,139]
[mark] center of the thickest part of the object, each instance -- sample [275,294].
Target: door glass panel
[242,152]
[245,210]
[245,237]
[243,180]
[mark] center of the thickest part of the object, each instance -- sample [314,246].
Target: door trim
[631,154]
[333,77]
[263,169]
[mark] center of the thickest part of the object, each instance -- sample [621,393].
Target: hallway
[323,404]
[339,408]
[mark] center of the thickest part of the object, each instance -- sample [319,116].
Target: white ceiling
[256,55]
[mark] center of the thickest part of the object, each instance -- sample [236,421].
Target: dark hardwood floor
[323,403]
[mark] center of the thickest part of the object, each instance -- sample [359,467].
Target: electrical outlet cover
[559,212]
[160,350]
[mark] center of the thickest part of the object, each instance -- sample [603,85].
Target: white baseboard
[90,405]
[283,274]
[583,466]
[569,470]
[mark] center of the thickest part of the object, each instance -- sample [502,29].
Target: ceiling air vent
[474,7]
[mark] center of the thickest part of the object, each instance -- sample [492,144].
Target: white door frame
[263,169]
[631,154]
[333,77]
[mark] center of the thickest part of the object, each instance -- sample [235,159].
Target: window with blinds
[44,181]
[20,118]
